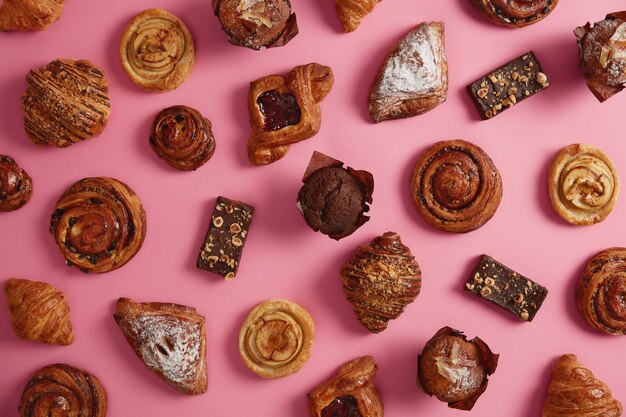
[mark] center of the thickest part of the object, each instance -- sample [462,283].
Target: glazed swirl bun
[157,51]
[276,338]
[514,13]
[455,186]
[16,186]
[99,224]
[182,137]
[583,184]
[601,292]
[62,390]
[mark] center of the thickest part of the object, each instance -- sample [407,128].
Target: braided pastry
[514,13]
[182,137]
[16,186]
[64,391]
[39,312]
[65,102]
[583,184]
[380,280]
[456,187]
[99,224]
[601,292]
[29,14]
[285,110]
[157,51]
[351,12]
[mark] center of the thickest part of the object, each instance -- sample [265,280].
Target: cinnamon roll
[182,137]
[455,186]
[99,224]
[157,51]
[514,13]
[583,184]
[63,390]
[16,186]
[601,292]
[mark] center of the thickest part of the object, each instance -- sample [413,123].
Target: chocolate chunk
[508,85]
[225,239]
[506,288]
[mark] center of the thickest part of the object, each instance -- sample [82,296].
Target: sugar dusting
[457,370]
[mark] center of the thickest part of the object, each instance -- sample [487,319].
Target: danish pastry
[16,186]
[514,13]
[29,14]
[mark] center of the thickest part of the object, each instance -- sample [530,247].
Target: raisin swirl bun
[99,224]
[63,390]
[601,292]
[16,186]
[514,13]
[182,137]
[455,186]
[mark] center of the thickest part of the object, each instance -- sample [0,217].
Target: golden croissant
[39,312]
[351,12]
[29,14]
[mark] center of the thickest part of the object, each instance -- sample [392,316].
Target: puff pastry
[583,184]
[600,292]
[276,338]
[351,12]
[63,390]
[455,186]
[157,51]
[514,13]
[170,339]
[29,14]
[16,186]
[350,393]
[98,224]
[285,110]
[413,79]
[182,137]
[39,312]
[575,392]
[65,102]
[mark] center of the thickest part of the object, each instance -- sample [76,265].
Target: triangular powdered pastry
[170,339]
[575,392]
[414,76]
[351,12]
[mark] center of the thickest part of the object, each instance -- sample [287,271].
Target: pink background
[283,257]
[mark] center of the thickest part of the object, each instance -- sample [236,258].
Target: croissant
[351,12]
[575,392]
[38,312]
[285,110]
[29,14]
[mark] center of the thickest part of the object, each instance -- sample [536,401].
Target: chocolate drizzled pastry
[514,13]
[29,14]
[333,199]
[380,280]
[256,23]
[65,102]
[602,52]
[454,369]
[16,186]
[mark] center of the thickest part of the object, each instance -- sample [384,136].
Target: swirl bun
[276,338]
[456,187]
[514,13]
[601,292]
[583,184]
[99,224]
[62,390]
[157,51]
[182,137]
[16,186]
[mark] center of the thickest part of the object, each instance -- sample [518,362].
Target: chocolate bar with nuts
[225,239]
[508,85]
[506,288]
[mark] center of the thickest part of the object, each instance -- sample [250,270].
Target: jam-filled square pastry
[285,110]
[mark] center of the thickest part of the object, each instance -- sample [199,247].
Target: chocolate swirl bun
[514,13]
[456,187]
[16,186]
[157,51]
[62,390]
[99,224]
[583,184]
[601,292]
[182,137]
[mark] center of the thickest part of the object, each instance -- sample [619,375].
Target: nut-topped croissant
[351,12]
[380,280]
[29,14]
